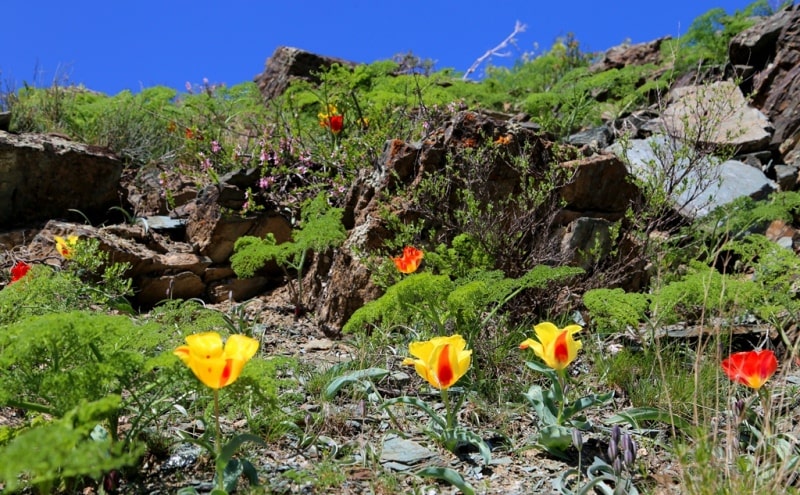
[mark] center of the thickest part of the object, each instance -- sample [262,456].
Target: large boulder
[773,49]
[624,55]
[44,176]
[287,64]
[714,115]
[696,184]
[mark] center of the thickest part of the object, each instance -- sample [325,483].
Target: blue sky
[111,45]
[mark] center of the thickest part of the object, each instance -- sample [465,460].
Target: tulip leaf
[635,415]
[463,436]
[413,401]
[230,475]
[541,368]
[584,402]
[555,439]
[233,445]
[449,475]
[543,403]
[573,476]
[353,377]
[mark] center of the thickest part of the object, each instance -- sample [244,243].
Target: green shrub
[321,228]
[55,456]
[613,310]
[55,361]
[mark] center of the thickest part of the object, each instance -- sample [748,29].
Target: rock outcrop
[287,64]
[770,53]
[44,176]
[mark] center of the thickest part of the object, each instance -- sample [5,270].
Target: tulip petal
[750,368]
[205,345]
[441,361]
[183,352]
[210,371]
[241,347]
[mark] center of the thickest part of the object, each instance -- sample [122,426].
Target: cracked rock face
[42,176]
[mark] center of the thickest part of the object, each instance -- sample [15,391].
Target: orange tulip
[214,364]
[409,262]
[751,368]
[555,346]
[441,361]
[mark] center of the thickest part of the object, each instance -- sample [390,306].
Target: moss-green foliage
[540,73]
[41,291]
[261,394]
[187,317]
[58,360]
[463,257]
[745,214]
[321,228]
[265,395]
[612,310]
[409,300]
[774,271]
[135,126]
[54,455]
[721,268]
[433,300]
[703,292]
[584,98]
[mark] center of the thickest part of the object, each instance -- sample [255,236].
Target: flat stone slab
[403,451]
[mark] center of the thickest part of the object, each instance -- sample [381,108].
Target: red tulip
[18,271]
[751,368]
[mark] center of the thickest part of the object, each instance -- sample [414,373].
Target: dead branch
[518,28]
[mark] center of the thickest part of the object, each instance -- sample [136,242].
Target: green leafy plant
[58,454]
[468,302]
[321,228]
[557,415]
[442,361]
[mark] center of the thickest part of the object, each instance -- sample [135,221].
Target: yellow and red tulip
[441,361]
[410,260]
[331,119]
[751,368]
[215,364]
[66,247]
[555,346]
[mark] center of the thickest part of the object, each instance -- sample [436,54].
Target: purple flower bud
[738,407]
[577,439]
[615,433]
[617,465]
[613,450]
[628,450]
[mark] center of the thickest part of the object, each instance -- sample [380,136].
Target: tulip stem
[218,443]
[448,414]
[766,402]
[560,379]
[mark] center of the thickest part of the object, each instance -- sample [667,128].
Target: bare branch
[518,28]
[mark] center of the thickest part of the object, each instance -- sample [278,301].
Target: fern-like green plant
[53,363]
[612,310]
[61,452]
[321,228]
[436,300]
